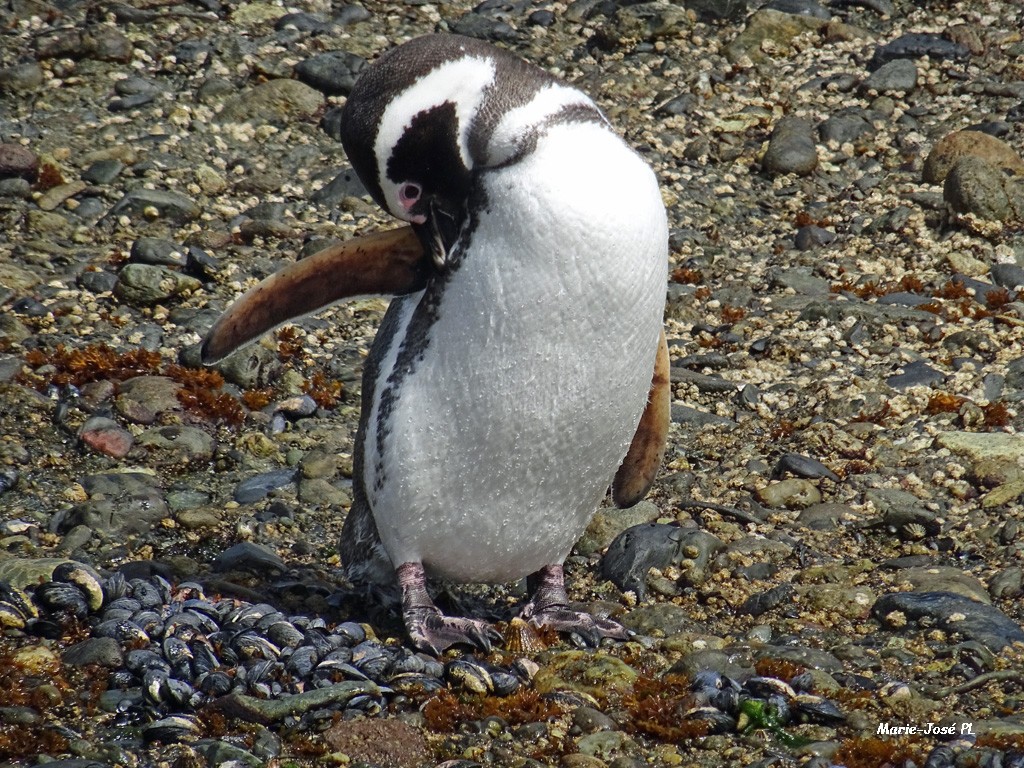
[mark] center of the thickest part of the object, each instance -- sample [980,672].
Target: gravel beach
[829,569]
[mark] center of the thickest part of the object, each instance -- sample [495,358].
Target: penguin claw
[587,630]
[433,632]
[548,608]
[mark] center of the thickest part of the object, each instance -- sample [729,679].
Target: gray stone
[974,186]
[271,102]
[144,284]
[177,444]
[791,148]
[896,76]
[333,73]
[146,203]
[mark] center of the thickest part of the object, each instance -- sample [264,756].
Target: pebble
[144,284]
[916,374]
[173,207]
[791,493]
[849,125]
[17,161]
[898,76]
[333,73]
[270,102]
[106,436]
[176,444]
[791,148]
[915,45]
[258,487]
[247,555]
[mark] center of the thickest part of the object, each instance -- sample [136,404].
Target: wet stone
[24,77]
[762,602]
[953,613]
[916,374]
[334,73]
[257,488]
[654,545]
[103,171]
[97,282]
[791,493]
[939,578]
[823,517]
[17,161]
[145,203]
[803,466]
[1008,275]
[915,45]
[157,394]
[173,444]
[248,556]
[106,436]
[954,146]
[811,237]
[133,513]
[153,250]
[104,651]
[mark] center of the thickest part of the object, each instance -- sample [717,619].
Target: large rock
[954,146]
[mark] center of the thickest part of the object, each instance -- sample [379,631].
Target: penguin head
[426,118]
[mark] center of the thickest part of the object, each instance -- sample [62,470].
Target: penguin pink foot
[548,608]
[428,628]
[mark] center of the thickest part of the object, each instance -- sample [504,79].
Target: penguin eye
[409,193]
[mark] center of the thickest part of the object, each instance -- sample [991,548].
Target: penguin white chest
[510,392]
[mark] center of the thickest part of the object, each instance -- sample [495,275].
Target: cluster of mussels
[181,651]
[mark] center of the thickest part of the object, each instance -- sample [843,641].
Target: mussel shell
[717,721]
[83,577]
[172,730]
[411,683]
[125,631]
[469,675]
[60,597]
[814,709]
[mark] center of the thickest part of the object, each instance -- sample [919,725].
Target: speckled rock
[270,102]
[954,146]
[975,186]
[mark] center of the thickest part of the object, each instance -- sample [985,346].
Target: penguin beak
[390,263]
[439,233]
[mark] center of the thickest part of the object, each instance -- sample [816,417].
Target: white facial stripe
[461,82]
[516,124]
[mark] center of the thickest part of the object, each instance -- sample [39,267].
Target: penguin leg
[548,608]
[428,628]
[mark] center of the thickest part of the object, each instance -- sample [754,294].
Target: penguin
[521,368]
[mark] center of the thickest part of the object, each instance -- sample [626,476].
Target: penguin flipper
[391,262]
[637,471]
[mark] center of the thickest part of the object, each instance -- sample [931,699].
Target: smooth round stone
[103,171]
[791,148]
[897,76]
[247,555]
[791,493]
[104,651]
[144,284]
[106,436]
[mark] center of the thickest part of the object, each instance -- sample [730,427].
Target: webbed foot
[429,629]
[548,608]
